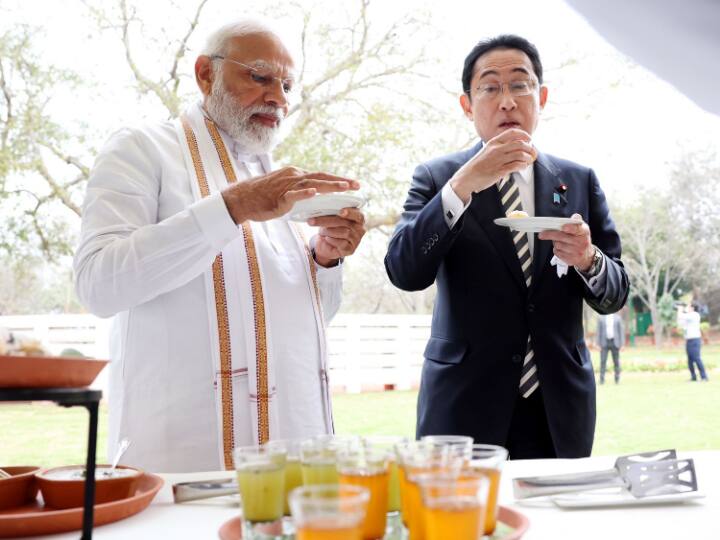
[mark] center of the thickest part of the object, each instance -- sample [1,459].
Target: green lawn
[646,411]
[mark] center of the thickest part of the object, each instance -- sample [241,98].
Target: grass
[646,411]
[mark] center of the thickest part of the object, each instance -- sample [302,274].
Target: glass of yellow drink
[488,459]
[261,481]
[329,512]
[368,468]
[293,470]
[455,505]
[388,443]
[318,457]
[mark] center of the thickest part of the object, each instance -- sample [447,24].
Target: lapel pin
[559,195]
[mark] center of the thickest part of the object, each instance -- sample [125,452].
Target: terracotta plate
[35,520]
[232,529]
[48,371]
[512,518]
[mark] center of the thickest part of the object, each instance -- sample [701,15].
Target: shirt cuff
[596,284]
[214,220]
[452,205]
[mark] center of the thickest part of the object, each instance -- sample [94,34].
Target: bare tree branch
[58,190]
[8,105]
[182,47]
[70,160]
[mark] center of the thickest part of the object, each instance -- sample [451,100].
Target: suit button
[531,308]
[516,359]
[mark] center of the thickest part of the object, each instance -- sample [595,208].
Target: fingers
[345,218]
[520,155]
[348,182]
[294,196]
[341,245]
[322,186]
[512,134]
[324,248]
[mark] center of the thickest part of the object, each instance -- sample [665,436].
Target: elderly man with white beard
[220,303]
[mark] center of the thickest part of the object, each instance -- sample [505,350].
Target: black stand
[70,397]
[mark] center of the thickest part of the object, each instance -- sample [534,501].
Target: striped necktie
[510,200]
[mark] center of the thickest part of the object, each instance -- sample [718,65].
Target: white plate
[325,204]
[535,224]
[619,497]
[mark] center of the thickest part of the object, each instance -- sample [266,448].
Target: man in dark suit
[610,338]
[506,362]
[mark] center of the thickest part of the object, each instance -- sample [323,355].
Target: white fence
[367,352]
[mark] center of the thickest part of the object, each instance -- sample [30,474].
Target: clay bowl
[21,488]
[64,487]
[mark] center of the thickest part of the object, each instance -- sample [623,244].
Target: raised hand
[508,152]
[273,195]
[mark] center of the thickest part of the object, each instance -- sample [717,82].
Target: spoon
[5,474]
[122,446]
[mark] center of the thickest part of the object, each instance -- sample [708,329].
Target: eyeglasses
[515,89]
[261,76]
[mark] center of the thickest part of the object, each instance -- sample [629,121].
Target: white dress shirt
[610,326]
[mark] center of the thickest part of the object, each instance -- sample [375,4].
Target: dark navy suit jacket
[484,312]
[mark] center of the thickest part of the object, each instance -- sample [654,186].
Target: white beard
[235,120]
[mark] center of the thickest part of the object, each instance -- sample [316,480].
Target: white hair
[217,42]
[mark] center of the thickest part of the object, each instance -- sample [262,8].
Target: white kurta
[146,246]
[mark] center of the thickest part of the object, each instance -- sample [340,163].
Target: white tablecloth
[699,520]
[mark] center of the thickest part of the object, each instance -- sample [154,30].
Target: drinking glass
[318,458]
[488,459]
[329,512]
[293,470]
[388,443]
[368,468]
[454,504]
[261,481]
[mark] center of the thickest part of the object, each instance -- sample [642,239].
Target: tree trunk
[657,323]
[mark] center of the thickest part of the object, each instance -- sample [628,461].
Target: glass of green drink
[261,479]
[293,470]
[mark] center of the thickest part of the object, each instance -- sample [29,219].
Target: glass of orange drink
[488,459]
[420,462]
[454,506]
[368,468]
[455,445]
[261,482]
[387,443]
[329,512]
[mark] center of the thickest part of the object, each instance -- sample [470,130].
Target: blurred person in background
[688,319]
[610,338]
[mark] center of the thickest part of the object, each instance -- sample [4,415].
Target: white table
[697,520]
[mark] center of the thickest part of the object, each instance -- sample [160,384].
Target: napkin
[561,266]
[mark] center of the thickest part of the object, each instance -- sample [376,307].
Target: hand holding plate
[339,236]
[572,244]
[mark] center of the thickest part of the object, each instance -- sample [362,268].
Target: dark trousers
[603,362]
[529,436]
[692,346]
